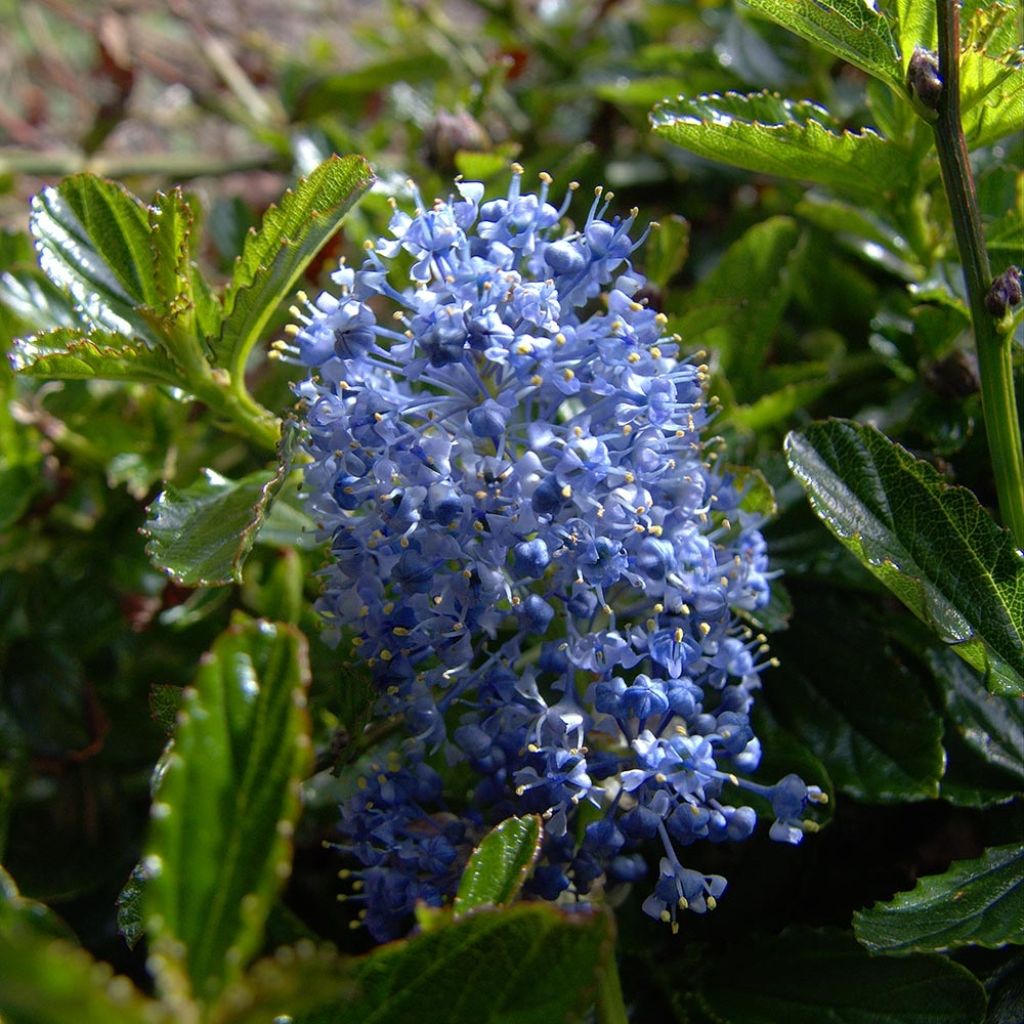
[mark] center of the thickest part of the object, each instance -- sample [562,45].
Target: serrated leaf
[275,256]
[999,111]
[226,804]
[735,311]
[931,544]
[202,535]
[808,977]
[93,242]
[129,907]
[68,353]
[855,30]
[185,301]
[500,864]
[976,902]
[915,27]
[765,133]
[526,964]
[853,704]
[45,978]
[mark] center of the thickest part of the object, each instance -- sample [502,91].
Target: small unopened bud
[924,83]
[1005,293]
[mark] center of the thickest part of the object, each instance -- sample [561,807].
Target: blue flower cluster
[532,553]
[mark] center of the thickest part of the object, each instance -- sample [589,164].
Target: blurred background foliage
[809,305]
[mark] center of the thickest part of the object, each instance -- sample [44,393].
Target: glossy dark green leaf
[992,725]
[811,977]
[500,864]
[201,536]
[93,238]
[735,311]
[976,902]
[225,806]
[933,545]
[765,133]
[855,705]
[67,353]
[527,964]
[45,978]
[275,256]
[855,30]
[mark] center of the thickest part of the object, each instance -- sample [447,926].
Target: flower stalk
[995,360]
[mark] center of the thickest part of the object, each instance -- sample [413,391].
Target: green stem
[611,1009]
[999,405]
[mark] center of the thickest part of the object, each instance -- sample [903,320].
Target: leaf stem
[995,362]
[611,1009]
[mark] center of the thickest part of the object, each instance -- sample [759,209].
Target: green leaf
[500,864]
[667,250]
[202,535]
[810,977]
[765,133]
[331,93]
[93,238]
[275,256]
[916,27]
[185,301]
[853,704]
[855,30]
[526,964]
[225,807]
[735,311]
[47,979]
[976,902]
[993,726]
[68,353]
[996,113]
[931,544]
[129,907]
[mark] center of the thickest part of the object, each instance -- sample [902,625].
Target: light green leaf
[45,978]
[765,133]
[999,111]
[225,807]
[185,301]
[68,353]
[855,30]
[735,311]
[976,903]
[667,250]
[933,545]
[916,27]
[809,977]
[275,256]
[93,241]
[500,864]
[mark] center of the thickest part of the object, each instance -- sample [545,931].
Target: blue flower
[530,552]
